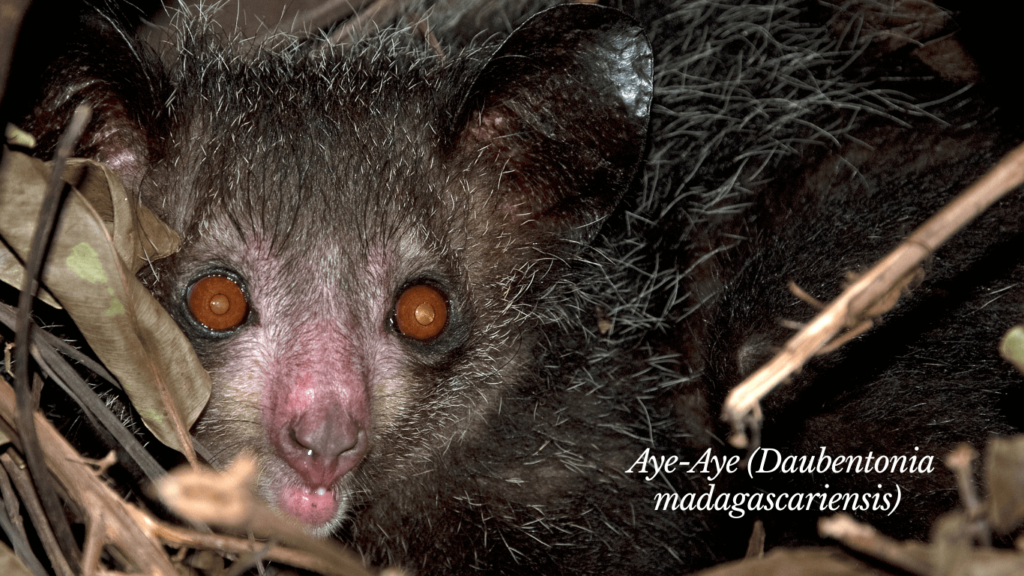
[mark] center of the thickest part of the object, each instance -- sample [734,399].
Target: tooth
[321,491]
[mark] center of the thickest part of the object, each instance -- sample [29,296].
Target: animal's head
[367,229]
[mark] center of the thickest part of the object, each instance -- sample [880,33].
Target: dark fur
[508,451]
[930,376]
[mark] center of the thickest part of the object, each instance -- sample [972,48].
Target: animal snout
[323,445]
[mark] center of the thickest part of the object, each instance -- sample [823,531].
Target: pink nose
[322,445]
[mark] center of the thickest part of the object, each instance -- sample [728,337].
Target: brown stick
[93,546]
[14,526]
[23,484]
[11,502]
[27,397]
[175,536]
[855,302]
[105,510]
[910,556]
[136,533]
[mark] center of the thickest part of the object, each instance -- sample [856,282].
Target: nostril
[308,450]
[323,439]
[321,458]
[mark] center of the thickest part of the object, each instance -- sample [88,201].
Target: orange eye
[218,303]
[421,312]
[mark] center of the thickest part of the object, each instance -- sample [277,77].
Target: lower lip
[313,507]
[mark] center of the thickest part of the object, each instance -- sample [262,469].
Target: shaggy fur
[781,147]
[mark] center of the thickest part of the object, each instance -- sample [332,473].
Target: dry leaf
[212,497]
[10,564]
[137,234]
[12,272]
[91,268]
[1004,476]
[952,544]
[1012,347]
[17,137]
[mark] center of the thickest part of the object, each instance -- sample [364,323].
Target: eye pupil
[425,314]
[421,312]
[218,303]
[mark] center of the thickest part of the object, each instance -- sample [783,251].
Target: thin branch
[14,527]
[69,380]
[11,502]
[23,484]
[137,534]
[175,536]
[93,546]
[103,507]
[914,557]
[27,401]
[862,298]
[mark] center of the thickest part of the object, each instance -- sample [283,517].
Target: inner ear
[107,69]
[558,118]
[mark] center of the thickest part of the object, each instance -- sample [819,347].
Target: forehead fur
[298,140]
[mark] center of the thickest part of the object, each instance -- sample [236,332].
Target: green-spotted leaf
[101,240]
[1012,347]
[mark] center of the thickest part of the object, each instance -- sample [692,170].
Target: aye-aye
[454,302]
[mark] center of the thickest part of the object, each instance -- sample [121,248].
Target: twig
[959,461]
[909,556]
[93,546]
[104,509]
[11,501]
[23,484]
[175,536]
[850,308]
[60,372]
[755,545]
[250,560]
[13,526]
[225,499]
[26,396]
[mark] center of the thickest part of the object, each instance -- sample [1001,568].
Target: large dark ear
[560,114]
[104,67]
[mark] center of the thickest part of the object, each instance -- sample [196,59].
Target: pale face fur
[323,224]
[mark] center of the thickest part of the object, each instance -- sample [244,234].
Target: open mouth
[316,507]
